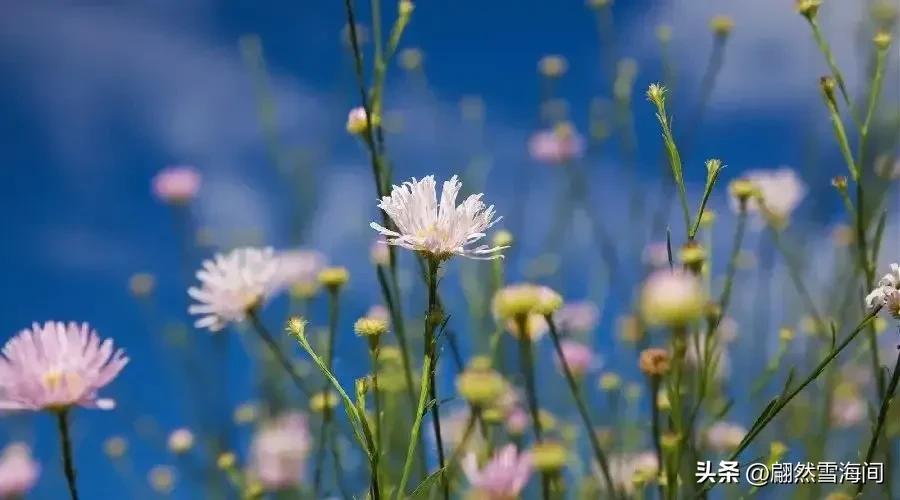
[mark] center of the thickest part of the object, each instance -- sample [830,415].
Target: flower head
[177,185]
[776,193]
[578,317]
[725,436]
[358,122]
[558,146]
[654,361]
[232,284]
[672,298]
[887,294]
[56,366]
[18,471]
[298,270]
[181,441]
[578,357]
[503,477]
[439,230]
[278,451]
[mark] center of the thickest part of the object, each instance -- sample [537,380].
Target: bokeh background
[97,98]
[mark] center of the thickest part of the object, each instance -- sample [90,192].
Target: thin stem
[674,158]
[526,361]
[832,64]
[62,419]
[333,315]
[599,455]
[797,279]
[679,350]
[280,356]
[886,401]
[417,425]
[433,318]
[654,424]
[376,395]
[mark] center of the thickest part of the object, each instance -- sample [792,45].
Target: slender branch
[886,401]
[275,349]
[62,420]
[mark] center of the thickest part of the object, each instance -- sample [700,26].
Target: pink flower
[578,317]
[177,184]
[279,450]
[516,421]
[18,471]
[501,478]
[578,356]
[556,147]
[57,366]
[297,268]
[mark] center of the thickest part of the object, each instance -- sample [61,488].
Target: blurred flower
[517,421]
[578,357]
[232,284]
[549,456]
[480,386]
[378,311]
[56,366]
[629,328]
[672,298]
[777,191]
[535,327]
[724,436]
[453,428]
[358,122]
[721,25]
[379,253]
[177,184]
[577,317]
[629,469]
[656,254]
[297,270]
[181,441]
[370,327]
[246,413]
[556,147]
[887,167]
[502,478]
[161,479]
[553,66]
[334,277]
[115,446]
[18,471]
[278,451]
[717,354]
[654,361]
[847,407]
[609,381]
[141,284]
[438,230]
[410,58]
[323,400]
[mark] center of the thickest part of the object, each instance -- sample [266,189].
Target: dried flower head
[439,230]
[56,366]
[231,285]
[654,361]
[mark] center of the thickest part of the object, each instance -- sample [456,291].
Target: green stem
[599,455]
[417,425]
[433,318]
[62,419]
[886,401]
[832,64]
[674,159]
[679,349]
[282,358]
[526,361]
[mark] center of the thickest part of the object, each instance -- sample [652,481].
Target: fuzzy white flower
[780,191]
[440,230]
[725,436]
[297,268]
[231,284]
[887,294]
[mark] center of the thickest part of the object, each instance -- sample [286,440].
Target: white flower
[440,230]
[780,191]
[18,471]
[231,284]
[725,436]
[886,294]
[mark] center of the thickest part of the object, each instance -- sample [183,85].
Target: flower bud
[334,277]
[721,26]
[742,189]
[656,94]
[370,327]
[692,255]
[226,460]
[405,8]
[882,40]
[503,238]
[549,456]
[480,387]
[808,8]
[357,123]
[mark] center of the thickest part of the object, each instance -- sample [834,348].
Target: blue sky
[98,98]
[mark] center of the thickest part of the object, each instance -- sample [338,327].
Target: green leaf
[423,490]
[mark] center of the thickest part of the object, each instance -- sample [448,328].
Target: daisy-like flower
[279,450]
[629,469]
[557,146]
[725,436]
[232,284]
[501,478]
[439,230]
[672,298]
[779,190]
[177,184]
[297,269]
[578,317]
[57,366]
[18,471]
